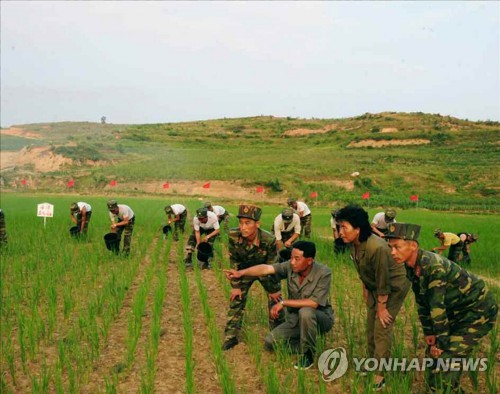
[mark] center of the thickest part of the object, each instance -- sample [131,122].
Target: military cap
[287,214]
[112,204]
[168,209]
[390,214]
[74,207]
[437,232]
[249,211]
[291,200]
[202,213]
[406,231]
[207,204]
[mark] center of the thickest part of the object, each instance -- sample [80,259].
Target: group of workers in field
[455,308]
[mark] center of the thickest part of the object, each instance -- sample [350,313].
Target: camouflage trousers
[466,330]
[86,224]
[305,226]
[237,306]
[191,243]
[179,225]
[3,230]
[127,235]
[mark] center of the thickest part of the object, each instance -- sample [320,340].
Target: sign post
[45,210]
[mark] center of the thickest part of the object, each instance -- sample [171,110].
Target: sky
[169,61]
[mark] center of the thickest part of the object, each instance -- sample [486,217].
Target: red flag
[414,198]
[24,182]
[113,183]
[166,185]
[366,196]
[260,189]
[314,194]
[71,183]
[206,185]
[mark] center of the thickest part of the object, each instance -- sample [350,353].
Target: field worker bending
[205,229]
[381,220]
[3,229]
[249,245]
[385,285]
[122,221]
[455,307]
[305,216]
[286,228]
[80,213]
[309,309]
[221,213]
[451,241]
[177,214]
[466,239]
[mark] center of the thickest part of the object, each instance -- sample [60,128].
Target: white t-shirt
[218,210]
[379,221]
[212,222]
[279,225]
[303,208]
[177,209]
[123,211]
[82,204]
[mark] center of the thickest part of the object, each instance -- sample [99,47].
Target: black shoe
[306,361]
[379,386]
[230,343]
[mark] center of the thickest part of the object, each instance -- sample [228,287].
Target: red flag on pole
[366,196]
[314,194]
[24,182]
[206,185]
[414,198]
[166,185]
[113,183]
[260,189]
[71,183]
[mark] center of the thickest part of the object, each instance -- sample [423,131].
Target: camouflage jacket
[443,290]
[243,255]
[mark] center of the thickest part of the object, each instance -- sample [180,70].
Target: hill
[449,163]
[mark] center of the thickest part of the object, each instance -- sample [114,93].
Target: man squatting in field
[304,213]
[205,229]
[3,230]
[455,307]
[309,311]
[122,221]
[80,213]
[249,246]
[177,214]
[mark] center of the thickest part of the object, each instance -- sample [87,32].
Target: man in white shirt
[205,229]
[122,221]
[286,228]
[305,216]
[80,213]
[222,214]
[381,220]
[177,214]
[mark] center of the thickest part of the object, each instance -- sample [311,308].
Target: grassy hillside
[455,168]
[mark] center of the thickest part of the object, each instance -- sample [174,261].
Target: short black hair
[357,217]
[309,248]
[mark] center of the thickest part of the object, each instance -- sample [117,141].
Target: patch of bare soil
[389,130]
[382,143]
[300,132]
[19,132]
[41,157]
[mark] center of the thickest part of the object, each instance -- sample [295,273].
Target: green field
[76,318]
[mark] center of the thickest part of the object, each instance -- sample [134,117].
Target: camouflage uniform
[126,230]
[77,213]
[242,255]
[3,230]
[180,224]
[453,305]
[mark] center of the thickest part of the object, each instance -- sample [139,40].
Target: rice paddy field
[76,318]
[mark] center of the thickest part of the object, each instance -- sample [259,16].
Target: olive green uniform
[3,230]
[243,255]
[381,276]
[453,305]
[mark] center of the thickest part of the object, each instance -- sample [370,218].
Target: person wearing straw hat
[122,221]
[249,245]
[80,213]
[305,215]
[177,214]
[381,220]
[455,308]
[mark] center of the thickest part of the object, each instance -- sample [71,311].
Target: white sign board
[45,210]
